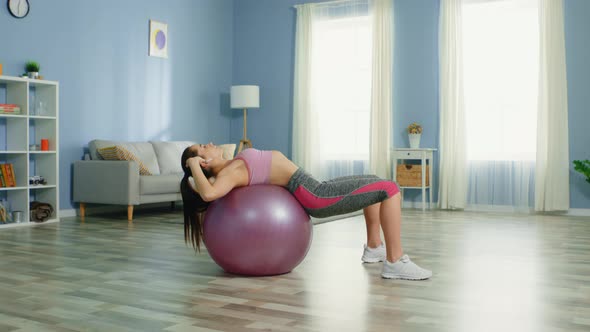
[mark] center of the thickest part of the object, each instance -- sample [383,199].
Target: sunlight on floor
[500,280]
[339,293]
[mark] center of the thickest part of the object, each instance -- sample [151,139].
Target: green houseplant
[583,166]
[32,68]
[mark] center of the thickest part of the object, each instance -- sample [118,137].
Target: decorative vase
[33,74]
[414,140]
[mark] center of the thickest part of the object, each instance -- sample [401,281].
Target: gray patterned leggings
[340,195]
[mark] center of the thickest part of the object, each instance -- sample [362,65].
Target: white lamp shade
[245,96]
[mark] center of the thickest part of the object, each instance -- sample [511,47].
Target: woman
[214,177]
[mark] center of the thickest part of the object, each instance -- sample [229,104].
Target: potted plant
[414,134]
[32,69]
[583,166]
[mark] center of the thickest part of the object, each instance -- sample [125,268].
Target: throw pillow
[142,150]
[228,151]
[120,153]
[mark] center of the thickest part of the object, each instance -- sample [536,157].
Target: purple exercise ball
[257,230]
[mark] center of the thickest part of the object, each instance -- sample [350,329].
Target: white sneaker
[374,255]
[404,268]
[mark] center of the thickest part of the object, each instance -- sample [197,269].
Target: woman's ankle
[374,244]
[394,257]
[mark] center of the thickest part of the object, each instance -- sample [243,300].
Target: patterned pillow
[120,153]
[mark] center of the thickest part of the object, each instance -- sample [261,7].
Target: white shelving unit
[18,132]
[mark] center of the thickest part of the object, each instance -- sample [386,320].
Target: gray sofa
[99,181]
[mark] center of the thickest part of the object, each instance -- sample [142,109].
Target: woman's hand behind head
[187,154]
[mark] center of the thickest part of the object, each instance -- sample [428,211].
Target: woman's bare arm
[222,186]
[223,183]
[202,184]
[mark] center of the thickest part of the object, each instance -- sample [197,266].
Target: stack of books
[9,109]
[7,177]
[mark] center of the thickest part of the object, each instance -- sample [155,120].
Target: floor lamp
[244,97]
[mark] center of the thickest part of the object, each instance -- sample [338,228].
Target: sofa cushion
[96,144]
[160,184]
[119,153]
[169,154]
[144,151]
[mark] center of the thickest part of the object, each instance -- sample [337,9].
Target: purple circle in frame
[160,39]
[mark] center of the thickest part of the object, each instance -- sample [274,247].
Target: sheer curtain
[332,88]
[382,87]
[501,65]
[305,122]
[452,180]
[552,180]
[341,87]
[507,82]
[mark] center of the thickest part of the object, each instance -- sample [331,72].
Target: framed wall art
[158,39]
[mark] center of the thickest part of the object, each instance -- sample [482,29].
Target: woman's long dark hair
[193,205]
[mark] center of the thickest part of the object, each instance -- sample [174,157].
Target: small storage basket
[411,175]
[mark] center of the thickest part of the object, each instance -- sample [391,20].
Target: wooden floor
[492,272]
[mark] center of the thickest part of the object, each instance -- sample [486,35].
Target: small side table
[425,156]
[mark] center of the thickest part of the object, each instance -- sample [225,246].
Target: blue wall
[264,32]
[415,90]
[109,87]
[264,55]
[577,47]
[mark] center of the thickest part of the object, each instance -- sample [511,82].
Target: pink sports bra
[258,163]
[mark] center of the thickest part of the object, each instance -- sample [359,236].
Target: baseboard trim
[92,209]
[510,209]
[499,208]
[578,212]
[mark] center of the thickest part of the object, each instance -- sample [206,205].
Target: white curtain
[333,90]
[505,85]
[382,82]
[552,180]
[305,122]
[452,180]
[500,184]
[501,88]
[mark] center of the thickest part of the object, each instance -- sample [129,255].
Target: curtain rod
[328,2]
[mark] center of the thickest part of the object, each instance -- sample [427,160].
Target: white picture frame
[158,39]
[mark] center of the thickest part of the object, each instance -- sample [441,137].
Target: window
[501,64]
[341,86]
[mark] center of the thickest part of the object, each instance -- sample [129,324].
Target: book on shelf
[8,175]
[5,175]
[2,181]
[11,174]
[9,109]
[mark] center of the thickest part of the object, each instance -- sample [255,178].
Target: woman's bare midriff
[281,169]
